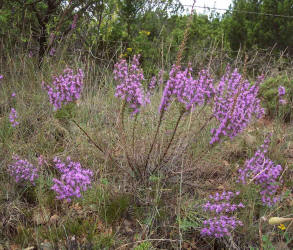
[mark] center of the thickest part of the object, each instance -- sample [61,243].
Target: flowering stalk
[282,92]
[235,103]
[130,84]
[222,223]
[65,88]
[23,170]
[13,118]
[263,172]
[74,179]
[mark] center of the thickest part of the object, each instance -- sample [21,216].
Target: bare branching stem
[169,144]
[154,140]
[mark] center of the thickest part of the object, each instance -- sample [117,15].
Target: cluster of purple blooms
[221,224]
[1,77]
[235,103]
[23,170]
[156,82]
[263,172]
[188,91]
[153,82]
[130,84]
[74,179]
[13,118]
[52,51]
[282,92]
[65,88]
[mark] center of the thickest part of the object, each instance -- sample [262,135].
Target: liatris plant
[130,84]
[185,89]
[153,82]
[65,88]
[52,51]
[74,179]
[282,92]
[1,77]
[23,170]
[13,118]
[222,224]
[263,172]
[235,103]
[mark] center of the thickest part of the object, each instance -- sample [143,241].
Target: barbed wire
[240,11]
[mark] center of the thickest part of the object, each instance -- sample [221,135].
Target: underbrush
[153,170]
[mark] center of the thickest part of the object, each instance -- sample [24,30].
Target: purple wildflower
[282,101]
[153,82]
[161,77]
[74,179]
[185,89]
[13,94]
[235,103]
[281,91]
[221,225]
[13,118]
[130,87]
[263,172]
[65,88]
[52,52]
[23,170]
[41,160]
[1,77]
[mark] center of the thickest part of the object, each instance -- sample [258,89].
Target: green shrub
[270,96]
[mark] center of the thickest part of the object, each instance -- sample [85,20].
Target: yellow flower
[145,32]
[129,49]
[282,227]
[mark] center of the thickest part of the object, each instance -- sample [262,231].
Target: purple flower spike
[153,83]
[23,170]
[263,172]
[281,91]
[222,224]
[130,87]
[13,118]
[235,103]
[65,88]
[186,90]
[74,179]
[1,77]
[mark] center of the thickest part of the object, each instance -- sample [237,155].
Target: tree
[261,23]
[41,19]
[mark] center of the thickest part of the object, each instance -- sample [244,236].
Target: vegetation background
[39,38]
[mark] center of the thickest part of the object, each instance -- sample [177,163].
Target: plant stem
[87,135]
[122,131]
[133,130]
[170,142]
[153,142]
